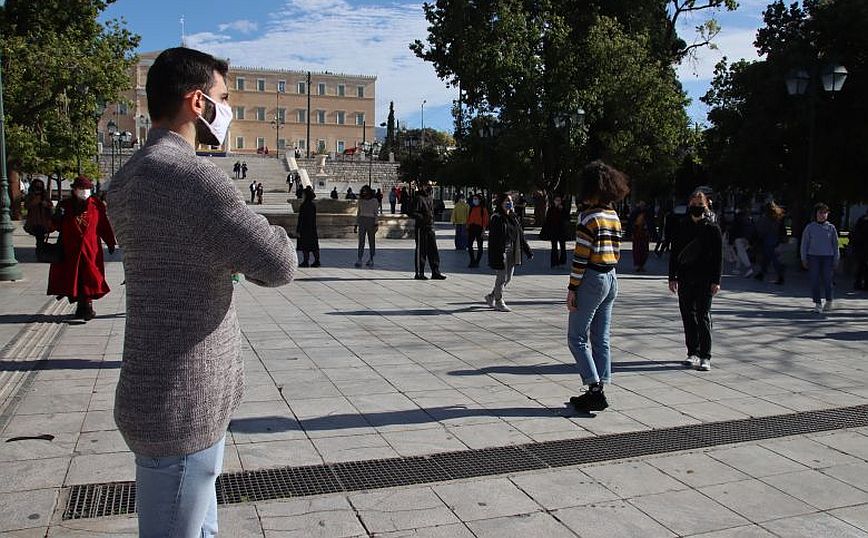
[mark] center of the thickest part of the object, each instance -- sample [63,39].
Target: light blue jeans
[176,496]
[588,329]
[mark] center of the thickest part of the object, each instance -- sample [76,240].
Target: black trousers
[426,250]
[559,252]
[694,300]
[861,275]
[474,235]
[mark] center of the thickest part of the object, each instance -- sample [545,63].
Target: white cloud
[337,36]
[243,26]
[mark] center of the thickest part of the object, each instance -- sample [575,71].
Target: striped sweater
[598,243]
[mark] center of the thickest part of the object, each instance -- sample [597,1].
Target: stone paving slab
[348,364]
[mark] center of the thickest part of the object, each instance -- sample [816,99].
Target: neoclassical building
[270,109]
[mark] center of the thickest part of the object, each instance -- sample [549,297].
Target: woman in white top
[367,221]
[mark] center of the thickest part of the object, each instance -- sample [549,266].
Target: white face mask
[83,194]
[220,126]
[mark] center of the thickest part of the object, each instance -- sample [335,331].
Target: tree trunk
[15,197]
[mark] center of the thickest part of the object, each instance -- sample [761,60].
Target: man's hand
[571,301]
[804,264]
[673,286]
[715,288]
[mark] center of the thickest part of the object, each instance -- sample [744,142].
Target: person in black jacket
[308,239]
[695,266]
[426,240]
[505,246]
[557,229]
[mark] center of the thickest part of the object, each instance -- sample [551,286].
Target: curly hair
[601,182]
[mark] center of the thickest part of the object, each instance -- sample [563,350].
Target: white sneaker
[704,365]
[500,306]
[749,273]
[827,307]
[690,361]
[489,300]
[818,307]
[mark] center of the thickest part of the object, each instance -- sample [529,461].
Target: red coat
[81,274]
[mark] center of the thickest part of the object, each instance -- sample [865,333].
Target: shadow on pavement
[57,364]
[409,312]
[846,336]
[566,368]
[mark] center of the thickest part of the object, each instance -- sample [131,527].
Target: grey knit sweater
[184,229]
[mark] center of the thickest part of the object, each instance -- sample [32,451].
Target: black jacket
[308,238]
[505,230]
[423,210]
[697,253]
[557,226]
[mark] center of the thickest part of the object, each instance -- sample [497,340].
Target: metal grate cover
[118,498]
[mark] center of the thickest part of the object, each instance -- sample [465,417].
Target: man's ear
[194,103]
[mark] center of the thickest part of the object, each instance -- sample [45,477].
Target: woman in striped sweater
[593,282]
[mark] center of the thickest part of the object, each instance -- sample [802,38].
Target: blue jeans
[176,496]
[593,316]
[820,271]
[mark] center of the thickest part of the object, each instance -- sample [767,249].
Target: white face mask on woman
[83,194]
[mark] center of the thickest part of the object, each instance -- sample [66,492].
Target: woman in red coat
[80,276]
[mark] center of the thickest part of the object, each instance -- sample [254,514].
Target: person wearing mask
[557,230]
[39,209]
[334,194]
[771,233]
[506,243]
[459,221]
[393,199]
[477,223]
[182,374]
[426,240]
[593,284]
[366,219]
[80,275]
[305,229]
[695,266]
[820,255]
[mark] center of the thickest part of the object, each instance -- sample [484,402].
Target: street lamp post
[9,269]
[144,123]
[423,121]
[276,123]
[486,133]
[370,149]
[112,129]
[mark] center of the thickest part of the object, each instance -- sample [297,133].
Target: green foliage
[390,144]
[59,62]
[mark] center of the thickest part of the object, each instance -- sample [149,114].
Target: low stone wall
[343,226]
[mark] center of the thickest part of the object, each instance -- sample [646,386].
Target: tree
[390,145]
[59,64]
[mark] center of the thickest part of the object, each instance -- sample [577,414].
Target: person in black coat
[506,243]
[695,266]
[308,240]
[426,240]
[557,229]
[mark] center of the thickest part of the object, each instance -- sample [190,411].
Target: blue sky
[369,37]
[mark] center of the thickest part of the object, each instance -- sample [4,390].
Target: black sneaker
[590,401]
[420,277]
[438,276]
[304,264]
[315,264]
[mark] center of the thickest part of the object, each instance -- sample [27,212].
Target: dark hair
[498,202]
[309,194]
[175,73]
[601,181]
[821,207]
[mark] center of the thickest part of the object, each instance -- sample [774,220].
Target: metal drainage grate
[118,498]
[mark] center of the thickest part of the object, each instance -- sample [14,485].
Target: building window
[260,142]
[360,118]
[281,115]
[239,84]
[281,143]
[340,146]
[340,117]
[320,116]
[281,86]
[239,113]
[239,142]
[260,84]
[260,113]
[123,110]
[302,116]
[100,137]
[302,144]
[321,88]
[360,91]
[302,88]
[321,145]
[342,90]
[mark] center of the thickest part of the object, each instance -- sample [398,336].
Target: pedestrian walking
[426,239]
[305,229]
[593,283]
[39,210]
[741,234]
[695,266]
[260,190]
[379,196]
[477,223]
[771,232]
[671,223]
[859,248]
[820,256]
[556,229]
[367,223]
[290,180]
[393,199]
[244,170]
[459,221]
[640,227]
[236,169]
[80,275]
[252,188]
[181,377]
[506,243]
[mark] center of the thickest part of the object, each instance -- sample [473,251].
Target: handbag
[50,252]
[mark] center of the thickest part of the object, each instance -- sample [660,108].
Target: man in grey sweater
[184,229]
